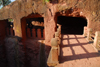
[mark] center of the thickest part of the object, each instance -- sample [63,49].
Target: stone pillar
[59,30]
[33,33]
[49,24]
[39,33]
[28,32]
[57,35]
[97,39]
[53,55]
[11,31]
[89,34]
[85,31]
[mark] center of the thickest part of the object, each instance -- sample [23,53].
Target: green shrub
[45,1]
[10,20]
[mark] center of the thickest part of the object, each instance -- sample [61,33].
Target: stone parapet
[97,40]
[55,48]
[85,31]
[89,34]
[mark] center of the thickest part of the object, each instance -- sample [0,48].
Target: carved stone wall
[88,9]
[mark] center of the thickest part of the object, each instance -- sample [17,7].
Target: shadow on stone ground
[75,47]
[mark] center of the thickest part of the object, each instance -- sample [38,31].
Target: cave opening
[71,25]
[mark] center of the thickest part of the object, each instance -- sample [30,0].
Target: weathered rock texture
[88,9]
[12,52]
[3,25]
[20,10]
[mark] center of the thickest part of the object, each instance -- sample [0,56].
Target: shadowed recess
[71,25]
[75,47]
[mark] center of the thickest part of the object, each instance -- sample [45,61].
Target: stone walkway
[77,52]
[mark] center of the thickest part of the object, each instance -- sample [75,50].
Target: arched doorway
[32,32]
[32,27]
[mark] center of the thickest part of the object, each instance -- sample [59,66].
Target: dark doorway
[71,25]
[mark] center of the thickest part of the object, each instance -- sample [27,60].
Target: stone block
[55,55]
[54,42]
[97,34]
[89,34]
[85,31]
[56,34]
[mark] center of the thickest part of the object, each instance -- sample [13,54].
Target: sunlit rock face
[88,9]
[19,9]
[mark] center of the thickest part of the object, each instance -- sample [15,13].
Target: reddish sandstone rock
[88,9]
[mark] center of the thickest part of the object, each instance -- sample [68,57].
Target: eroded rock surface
[88,9]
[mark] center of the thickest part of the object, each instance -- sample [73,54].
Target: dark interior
[71,25]
[29,20]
